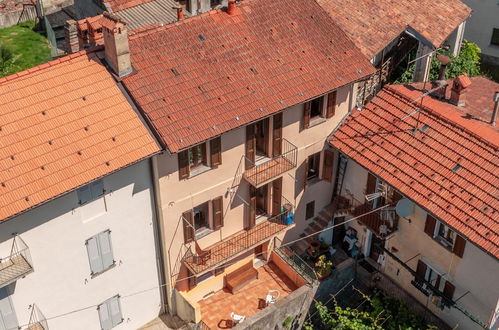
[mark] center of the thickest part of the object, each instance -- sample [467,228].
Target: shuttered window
[90,192]
[217,209]
[449,289]
[331,104]
[188,225]
[252,209]
[459,245]
[327,170]
[429,227]
[307,109]
[277,135]
[216,152]
[110,313]
[100,252]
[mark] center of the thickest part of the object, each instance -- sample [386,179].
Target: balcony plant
[323,267]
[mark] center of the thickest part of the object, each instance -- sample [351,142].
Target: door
[8,319]
[262,196]
[276,196]
[261,135]
[339,231]
[376,245]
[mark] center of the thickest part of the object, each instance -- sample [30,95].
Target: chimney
[496,108]
[116,48]
[180,12]
[459,84]
[231,8]
[71,37]
[440,93]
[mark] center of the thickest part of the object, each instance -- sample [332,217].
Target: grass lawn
[28,48]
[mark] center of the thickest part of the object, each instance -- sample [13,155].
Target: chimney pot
[180,12]
[116,48]
[459,85]
[231,8]
[496,108]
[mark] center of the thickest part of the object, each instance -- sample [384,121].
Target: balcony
[17,264]
[382,222]
[238,243]
[37,320]
[263,171]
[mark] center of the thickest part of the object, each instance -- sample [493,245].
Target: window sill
[203,232]
[199,170]
[316,121]
[447,245]
[103,271]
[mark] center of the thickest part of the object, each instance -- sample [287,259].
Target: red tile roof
[214,72]
[372,25]
[423,165]
[63,124]
[117,5]
[479,98]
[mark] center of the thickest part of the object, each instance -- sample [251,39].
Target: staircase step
[322,222]
[315,225]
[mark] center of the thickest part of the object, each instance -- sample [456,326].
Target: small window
[310,210]
[100,252]
[197,156]
[110,313]
[313,166]
[316,109]
[201,217]
[90,192]
[446,235]
[495,37]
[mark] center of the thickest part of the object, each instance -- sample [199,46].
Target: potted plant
[323,267]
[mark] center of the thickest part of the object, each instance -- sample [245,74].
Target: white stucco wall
[479,26]
[61,282]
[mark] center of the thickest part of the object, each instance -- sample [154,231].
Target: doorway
[262,201]
[262,139]
[376,247]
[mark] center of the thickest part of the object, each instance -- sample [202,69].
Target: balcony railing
[17,264]
[37,320]
[382,222]
[260,172]
[238,243]
[294,260]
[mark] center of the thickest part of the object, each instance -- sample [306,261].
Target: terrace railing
[37,320]
[17,264]
[294,260]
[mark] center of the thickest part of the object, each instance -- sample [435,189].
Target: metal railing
[294,260]
[17,264]
[222,251]
[37,320]
[259,172]
[202,326]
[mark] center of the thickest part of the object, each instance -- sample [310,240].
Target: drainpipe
[159,231]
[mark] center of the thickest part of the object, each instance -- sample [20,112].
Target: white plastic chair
[272,296]
[236,318]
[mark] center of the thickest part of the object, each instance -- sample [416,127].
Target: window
[495,37]
[426,276]
[316,108]
[110,313]
[446,235]
[321,107]
[90,192]
[100,253]
[196,222]
[186,4]
[199,159]
[201,217]
[313,166]
[310,210]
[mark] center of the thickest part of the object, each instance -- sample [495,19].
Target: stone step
[315,226]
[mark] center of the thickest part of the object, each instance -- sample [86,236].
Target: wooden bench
[236,280]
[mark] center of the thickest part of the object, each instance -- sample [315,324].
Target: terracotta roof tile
[372,25]
[423,163]
[116,5]
[58,122]
[211,68]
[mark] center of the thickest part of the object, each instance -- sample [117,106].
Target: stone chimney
[231,8]
[440,93]
[496,109]
[117,52]
[458,95]
[71,37]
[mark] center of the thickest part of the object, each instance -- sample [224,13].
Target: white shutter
[94,257]
[115,310]
[84,194]
[105,317]
[8,318]
[97,188]
[106,250]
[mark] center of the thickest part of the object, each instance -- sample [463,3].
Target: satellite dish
[404,207]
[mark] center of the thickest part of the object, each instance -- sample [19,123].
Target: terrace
[17,264]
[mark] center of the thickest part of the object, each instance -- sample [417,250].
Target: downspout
[159,232]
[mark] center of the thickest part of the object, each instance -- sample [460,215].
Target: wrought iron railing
[17,264]
[203,260]
[37,320]
[294,260]
[259,172]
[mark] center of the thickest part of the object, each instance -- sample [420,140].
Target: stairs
[318,223]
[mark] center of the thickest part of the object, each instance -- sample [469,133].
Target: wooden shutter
[188,223]
[437,283]
[84,194]
[420,270]
[459,245]
[331,104]
[217,208]
[449,289]
[106,250]
[429,227]
[94,257]
[97,188]
[305,173]
[277,135]
[306,114]
[216,152]
[327,170]
[115,310]
[250,146]
[276,196]
[183,165]
[106,322]
[371,184]
[252,208]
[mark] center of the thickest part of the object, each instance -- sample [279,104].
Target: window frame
[107,303]
[207,220]
[316,161]
[312,203]
[105,267]
[443,240]
[93,192]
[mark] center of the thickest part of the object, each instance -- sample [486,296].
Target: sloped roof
[63,124]
[214,72]
[372,25]
[449,165]
[117,5]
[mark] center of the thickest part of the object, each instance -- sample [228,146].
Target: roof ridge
[479,134]
[51,63]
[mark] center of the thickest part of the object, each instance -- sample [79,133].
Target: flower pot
[315,245]
[323,276]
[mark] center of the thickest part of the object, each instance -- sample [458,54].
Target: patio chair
[236,318]
[272,296]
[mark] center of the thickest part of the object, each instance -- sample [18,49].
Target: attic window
[424,128]
[456,168]
[201,37]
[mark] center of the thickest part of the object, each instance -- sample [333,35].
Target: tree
[468,62]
